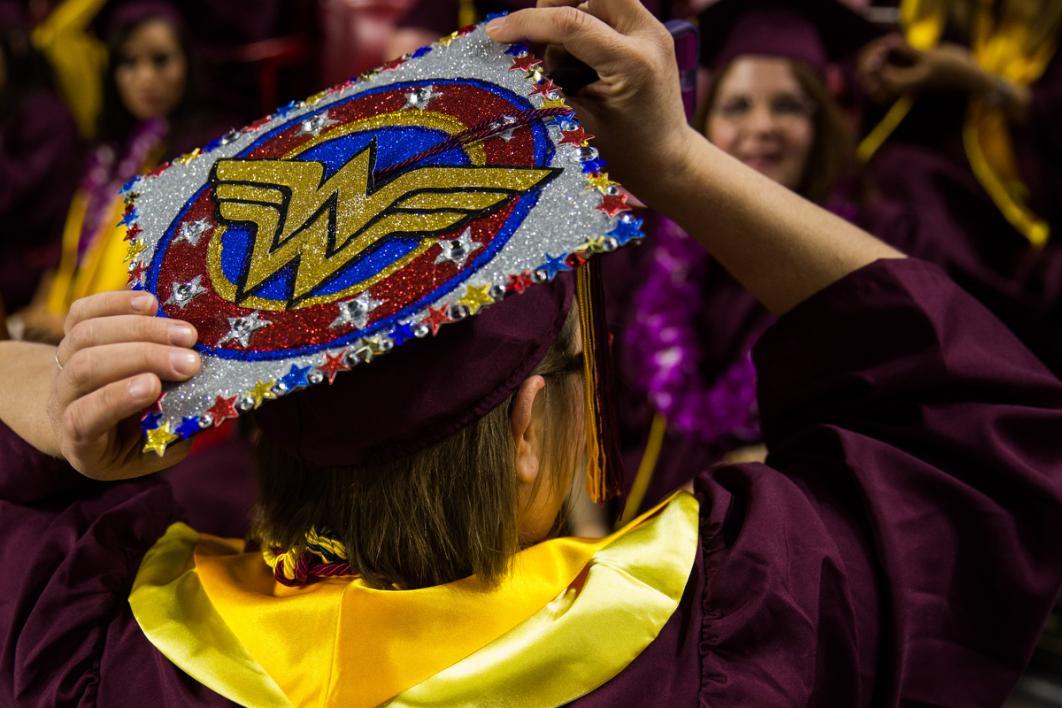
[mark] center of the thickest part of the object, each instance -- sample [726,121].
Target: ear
[527,434]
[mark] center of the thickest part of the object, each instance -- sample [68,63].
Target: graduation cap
[414,236]
[816,32]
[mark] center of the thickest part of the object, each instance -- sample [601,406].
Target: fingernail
[495,25]
[184,363]
[182,335]
[140,387]
[144,303]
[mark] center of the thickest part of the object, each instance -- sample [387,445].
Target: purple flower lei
[664,340]
[103,177]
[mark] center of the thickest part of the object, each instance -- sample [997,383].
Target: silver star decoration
[192,231]
[355,312]
[314,126]
[183,293]
[458,250]
[420,97]
[241,329]
[505,135]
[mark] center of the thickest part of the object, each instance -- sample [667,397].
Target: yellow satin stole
[103,265]
[1018,49]
[571,615]
[78,58]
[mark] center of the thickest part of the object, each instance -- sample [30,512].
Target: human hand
[872,59]
[635,107]
[113,360]
[948,67]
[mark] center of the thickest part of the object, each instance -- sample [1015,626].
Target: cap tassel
[604,473]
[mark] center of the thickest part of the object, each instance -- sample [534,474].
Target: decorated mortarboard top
[368,215]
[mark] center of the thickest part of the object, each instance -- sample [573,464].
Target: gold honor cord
[1016,51]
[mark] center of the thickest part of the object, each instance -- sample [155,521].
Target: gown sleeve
[70,548]
[900,546]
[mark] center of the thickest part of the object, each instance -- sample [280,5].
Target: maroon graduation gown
[924,165]
[40,163]
[900,546]
[730,322]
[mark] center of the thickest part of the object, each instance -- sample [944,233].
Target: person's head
[148,70]
[463,506]
[776,115]
[22,68]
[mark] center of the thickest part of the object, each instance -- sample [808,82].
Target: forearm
[26,373]
[777,244]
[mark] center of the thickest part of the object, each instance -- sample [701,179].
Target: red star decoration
[613,204]
[520,282]
[575,137]
[132,232]
[136,273]
[223,409]
[544,88]
[437,316]
[156,407]
[576,260]
[159,170]
[333,365]
[393,64]
[524,63]
[467,29]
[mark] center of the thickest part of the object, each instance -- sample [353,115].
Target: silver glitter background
[564,218]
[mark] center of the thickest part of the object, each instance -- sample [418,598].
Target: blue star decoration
[418,53]
[559,120]
[128,218]
[553,265]
[295,378]
[128,186]
[150,421]
[189,426]
[591,166]
[495,15]
[402,333]
[287,108]
[517,49]
[626,231]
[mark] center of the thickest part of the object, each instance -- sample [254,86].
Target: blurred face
[762,117]
[151,71]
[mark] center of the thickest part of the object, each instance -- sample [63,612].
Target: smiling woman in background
[686,362]
[147,117]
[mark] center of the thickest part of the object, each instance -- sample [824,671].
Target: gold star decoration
[596,245]
[318,97]
[554,103]
[158,438]
[261,391]
[476,296]
[599,181]
[187,157]
[133,251]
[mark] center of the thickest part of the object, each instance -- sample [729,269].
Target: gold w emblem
[323,224]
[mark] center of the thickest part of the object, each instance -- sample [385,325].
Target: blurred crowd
[933,124]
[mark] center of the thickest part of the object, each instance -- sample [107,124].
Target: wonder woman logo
[318,225]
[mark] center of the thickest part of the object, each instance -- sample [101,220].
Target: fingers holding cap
[585,36]
[114,302]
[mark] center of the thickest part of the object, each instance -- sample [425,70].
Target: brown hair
[832,153]
[439,515]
